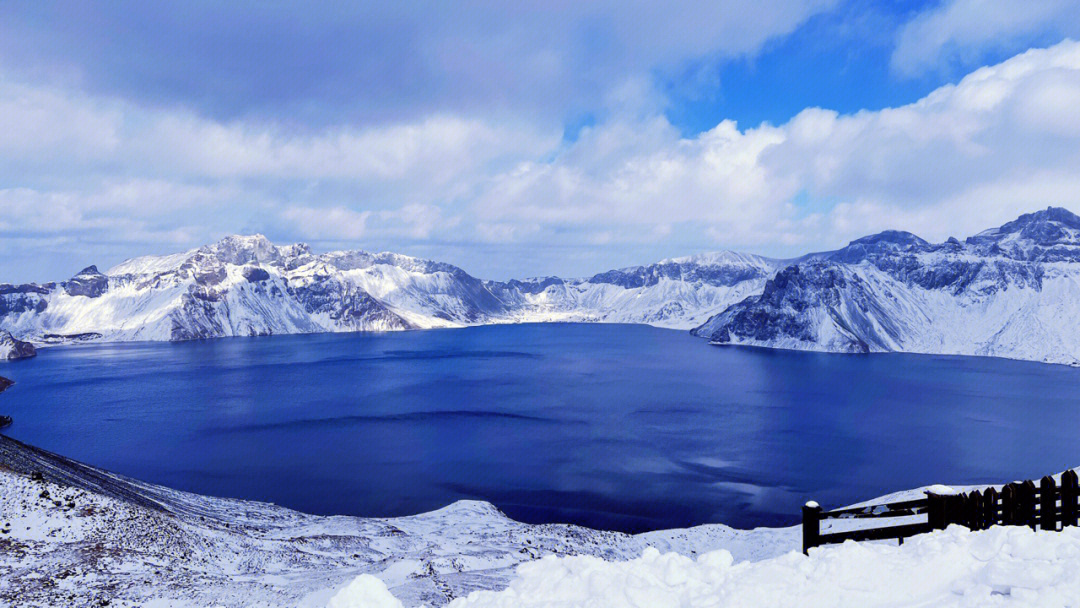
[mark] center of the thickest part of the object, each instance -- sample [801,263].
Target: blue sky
[526,138]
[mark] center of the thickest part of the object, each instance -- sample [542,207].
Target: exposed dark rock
[254,274]
[88,282]
[70,338]
[12,348]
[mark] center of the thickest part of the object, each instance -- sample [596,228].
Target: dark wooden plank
[1008,504]
[1028,502]
[991,509]
[973,503]
[937,511]
[1048,503]
[1069,485]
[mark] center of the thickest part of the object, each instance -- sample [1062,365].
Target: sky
[527,138]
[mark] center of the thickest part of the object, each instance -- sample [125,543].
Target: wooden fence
[1046,506]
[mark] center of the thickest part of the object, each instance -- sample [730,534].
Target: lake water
[611,426]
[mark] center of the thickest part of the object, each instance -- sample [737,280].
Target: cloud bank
[88,175]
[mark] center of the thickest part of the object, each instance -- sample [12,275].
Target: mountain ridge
[1006,291]
[1009,291]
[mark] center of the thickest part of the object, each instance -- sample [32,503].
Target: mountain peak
[718,258]
[244,249]
[885,241]
[1050,215]
[1049,227]
[890,237]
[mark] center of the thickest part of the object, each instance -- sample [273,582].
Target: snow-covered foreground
[1004,566]
[80,535]
[73,535]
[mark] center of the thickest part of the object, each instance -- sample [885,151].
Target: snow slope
[1012,291]
[677,293]
[80,535]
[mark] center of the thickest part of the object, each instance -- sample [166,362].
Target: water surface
[611,426]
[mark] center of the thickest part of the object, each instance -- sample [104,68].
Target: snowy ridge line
[1010,292]
[246,285]
[29,460]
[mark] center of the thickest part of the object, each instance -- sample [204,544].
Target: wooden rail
[1046,505]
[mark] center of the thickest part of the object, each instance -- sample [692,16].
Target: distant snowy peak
[725,268]
[723,258]
[1052,234]
[677,293]
[1010,292]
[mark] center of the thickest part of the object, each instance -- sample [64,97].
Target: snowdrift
[1003,566]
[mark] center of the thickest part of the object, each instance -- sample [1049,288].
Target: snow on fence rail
[1046,506]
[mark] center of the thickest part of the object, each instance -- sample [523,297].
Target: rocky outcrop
[12,348]
[88,282]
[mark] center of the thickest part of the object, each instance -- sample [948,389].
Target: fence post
[1008,504]
[973,504]
[939,506]
[1028,513]
[1069,483]
[1047,503]
[811,526]
[990,508]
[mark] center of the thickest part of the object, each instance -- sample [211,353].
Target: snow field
[1003,566]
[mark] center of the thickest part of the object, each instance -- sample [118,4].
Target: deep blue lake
[611,426]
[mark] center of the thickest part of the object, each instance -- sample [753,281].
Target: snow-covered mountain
[245,285]
[1012,291]
[678,293]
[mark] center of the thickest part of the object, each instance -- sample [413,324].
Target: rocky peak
[1047,228]
[886,242]
[88,282]
[241,250]
[1050,235]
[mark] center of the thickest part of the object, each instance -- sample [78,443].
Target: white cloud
[1002,141]
[959,30]
[54,130]
[387,61]
[326,223]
